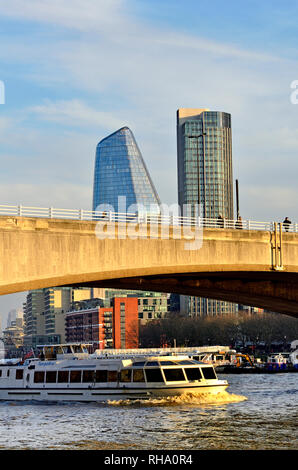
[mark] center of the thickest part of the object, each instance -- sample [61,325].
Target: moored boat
[68,372]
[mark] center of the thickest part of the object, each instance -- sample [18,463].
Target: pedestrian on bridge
[239,223]
[220,221]
[286,224]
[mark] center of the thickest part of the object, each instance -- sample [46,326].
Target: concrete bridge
[250,267]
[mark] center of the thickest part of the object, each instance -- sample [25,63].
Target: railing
[142,218]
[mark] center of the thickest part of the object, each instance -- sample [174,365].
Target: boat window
[139,364]
[199,358]
[125,375]
[112,376]
[168,363]
[19,374]
[0,372]
[138,375]
[51,376]
[208,372]
[88,375]
[101,376]
[39,376]
[152,363]
[75,376]
[153,375]
[187,362]
[62,376]
[193,373]
[174,375]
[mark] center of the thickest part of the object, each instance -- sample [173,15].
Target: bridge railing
[145,218]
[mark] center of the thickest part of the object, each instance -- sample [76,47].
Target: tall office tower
[34,308]
[205,178]
[120,171]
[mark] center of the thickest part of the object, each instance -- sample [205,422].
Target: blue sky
[76,71]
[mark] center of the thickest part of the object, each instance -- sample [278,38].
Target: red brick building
[125,322]
[105,327]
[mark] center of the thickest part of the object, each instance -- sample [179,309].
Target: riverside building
[205,179]
[44,314]
[114,326]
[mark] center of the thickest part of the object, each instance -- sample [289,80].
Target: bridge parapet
[162,218]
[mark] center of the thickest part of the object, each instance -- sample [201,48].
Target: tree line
[257,330]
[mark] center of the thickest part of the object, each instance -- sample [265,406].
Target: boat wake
[185,399]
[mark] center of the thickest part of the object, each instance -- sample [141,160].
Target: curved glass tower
[120,172]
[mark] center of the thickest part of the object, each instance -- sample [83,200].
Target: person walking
[220,221]
[239,222]
[286,224]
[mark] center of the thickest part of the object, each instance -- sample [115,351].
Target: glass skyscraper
[120,171]
[205,175]
[205,178]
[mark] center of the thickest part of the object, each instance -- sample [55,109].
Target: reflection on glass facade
[204,144]
[205,162]
[120,171]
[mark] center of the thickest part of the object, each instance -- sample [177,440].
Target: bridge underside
[276,292]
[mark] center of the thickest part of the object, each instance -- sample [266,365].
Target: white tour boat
[68,372]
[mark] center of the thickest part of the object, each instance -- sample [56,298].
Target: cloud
[75,113]
[83,15]
[61,196]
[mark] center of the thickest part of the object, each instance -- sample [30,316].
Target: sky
[74,72]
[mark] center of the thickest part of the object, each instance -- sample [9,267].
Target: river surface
[259,412]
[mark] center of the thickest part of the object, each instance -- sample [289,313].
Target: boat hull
[103,395]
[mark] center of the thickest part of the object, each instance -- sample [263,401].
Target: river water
[259,412]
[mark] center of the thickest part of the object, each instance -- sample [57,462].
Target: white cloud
[75,113]
[62,196]
[83,15]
